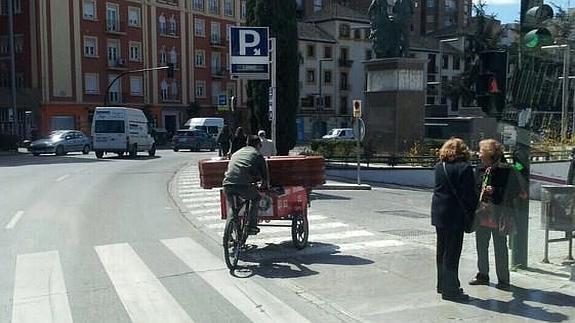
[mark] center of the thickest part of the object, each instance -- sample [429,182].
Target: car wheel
[99,154]
[176,149]
[134,151]
[59,150]
[86,150]
[152,151]
[120,154]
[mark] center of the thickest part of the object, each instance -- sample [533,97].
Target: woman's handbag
[469,221]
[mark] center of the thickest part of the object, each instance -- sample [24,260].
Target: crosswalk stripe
[255,302]
[199,193]
[316,237]
[202,205]
[265,230]
[201,199]
[212,217]
[204,211]
[39,290]
[142,294]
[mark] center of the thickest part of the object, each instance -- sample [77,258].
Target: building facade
[70,52]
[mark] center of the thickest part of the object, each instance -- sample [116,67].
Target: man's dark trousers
[449,245]
[248,192]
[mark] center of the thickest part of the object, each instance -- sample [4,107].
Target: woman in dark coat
[498,189]
[239,140]
[454,195]
[224,140]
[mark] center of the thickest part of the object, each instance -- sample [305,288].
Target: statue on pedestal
[390,22]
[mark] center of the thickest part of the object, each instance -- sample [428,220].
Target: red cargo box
[308,171]
[276,205]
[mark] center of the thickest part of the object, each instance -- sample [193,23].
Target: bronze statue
[390,21]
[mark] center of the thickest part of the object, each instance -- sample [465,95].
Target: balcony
[218,72]
[115,26]
[344,87]
[168,30]
[118,64]
[345,63]
[217,42]
[170,98]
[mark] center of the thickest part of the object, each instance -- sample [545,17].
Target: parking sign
[249,52]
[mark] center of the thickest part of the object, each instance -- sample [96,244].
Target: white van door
[109,130]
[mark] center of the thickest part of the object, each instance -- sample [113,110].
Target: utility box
[558,208]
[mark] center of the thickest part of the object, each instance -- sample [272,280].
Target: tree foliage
[280,17]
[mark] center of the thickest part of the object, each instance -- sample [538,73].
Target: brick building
[68,52]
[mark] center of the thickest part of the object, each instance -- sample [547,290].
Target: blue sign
[222,100]
[249,52]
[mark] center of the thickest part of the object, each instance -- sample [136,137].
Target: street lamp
[131,72]
[564,93]
[319,80]
[441,61]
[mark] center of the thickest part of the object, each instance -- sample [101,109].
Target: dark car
[61,142]
[193,140]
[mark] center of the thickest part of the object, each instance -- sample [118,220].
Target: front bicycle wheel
[232,243]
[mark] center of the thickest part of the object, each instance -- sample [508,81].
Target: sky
[508,10]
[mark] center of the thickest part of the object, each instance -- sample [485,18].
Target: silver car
[60,142]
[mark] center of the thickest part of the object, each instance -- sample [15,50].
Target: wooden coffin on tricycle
[307,171]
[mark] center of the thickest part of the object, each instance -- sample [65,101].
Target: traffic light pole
[129,72]
[273,89]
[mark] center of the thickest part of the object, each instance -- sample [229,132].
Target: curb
[339,186]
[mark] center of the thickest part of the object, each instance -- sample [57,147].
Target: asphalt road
[120,240]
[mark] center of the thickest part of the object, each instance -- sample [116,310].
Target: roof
[310,31]
[430,44]
[338,12]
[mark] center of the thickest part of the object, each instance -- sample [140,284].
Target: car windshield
[153,215]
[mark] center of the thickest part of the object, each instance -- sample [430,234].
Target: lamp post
[441,62]
[130,72]
[564,91]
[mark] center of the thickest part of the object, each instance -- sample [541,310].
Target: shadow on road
[518,307]
[315,196]
[284,261]
[29,159]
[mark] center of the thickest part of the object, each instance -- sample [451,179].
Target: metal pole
[440,68]
[273,82]
[319,81]
[564,93]
[357,135]
[12,67]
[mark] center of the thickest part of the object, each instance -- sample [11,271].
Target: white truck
[121,130]
[213,126]
[340,133]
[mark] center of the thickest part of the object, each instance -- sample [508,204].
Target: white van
[340,133]
[212,126]
[121,130]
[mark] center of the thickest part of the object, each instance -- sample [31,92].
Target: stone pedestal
[394,110]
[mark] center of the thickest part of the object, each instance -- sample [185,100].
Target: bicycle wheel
[232,242]
[299,231]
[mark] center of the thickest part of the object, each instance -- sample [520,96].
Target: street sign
[249,52]
[222,102]
[357,108]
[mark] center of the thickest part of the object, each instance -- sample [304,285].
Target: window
[17,6]
[343,81]
[18,44]
[317,5]
[430,3]
[173,58]
[327,102]
[134,15]
[243,10]
[368,54]
[198,5]
[90,46]
[327,52]
[356,34]
[229,8]
[114,91]
[214,7]
[113,52]
[344,31]
[310,51]
[216,63]
[430,18]
[174,90]
[91,83]
[310,76]
[162,24]
[200,28]
[200,59]
[164,90]
[163,56]
[112,21]
[172,26]
[136,86]
[456,63]
[327,77]
[215,33]
[19,80]
[445,62]
[89,9]
[135,51]
[200,89]
[343,105]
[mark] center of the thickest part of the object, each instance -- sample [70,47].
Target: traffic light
[357,108]
[492,81]
[536,27]
[171,70]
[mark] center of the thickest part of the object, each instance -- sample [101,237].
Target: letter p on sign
[357,108]
[244,43]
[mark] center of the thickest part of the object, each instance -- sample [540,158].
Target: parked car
[212,126]
[340,133]
[193,140]
[61,142]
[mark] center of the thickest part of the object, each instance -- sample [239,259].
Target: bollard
[573,272]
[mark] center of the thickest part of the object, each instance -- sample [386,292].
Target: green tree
[280,17]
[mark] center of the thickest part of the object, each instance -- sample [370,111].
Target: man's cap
[261,133]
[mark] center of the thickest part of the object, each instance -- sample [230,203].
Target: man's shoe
[253,230]
[455,297]
[503,285]
[479,280]
[440,291]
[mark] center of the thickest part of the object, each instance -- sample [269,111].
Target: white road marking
[315,237]
[255,302]
[204,211]
[198,200]
[39,290]
[214,216]
[202,205]
[14,220]
[143,295]
[63,177]
[369,244]
[265,230]
[207,193]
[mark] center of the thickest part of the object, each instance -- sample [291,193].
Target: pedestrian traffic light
[171,70]
[357,108]
[536,26]
[491,84]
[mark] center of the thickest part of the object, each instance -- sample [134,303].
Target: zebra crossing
[202,207]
